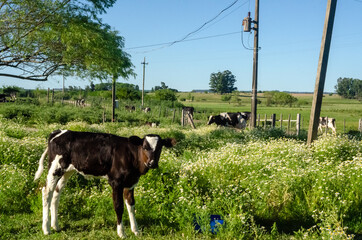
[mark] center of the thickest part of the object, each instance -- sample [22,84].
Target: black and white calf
[121,160]
[326,122]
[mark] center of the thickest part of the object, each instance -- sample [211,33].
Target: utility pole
[255,67]
[321,72]
[143,82]
[114,79]
[247,28]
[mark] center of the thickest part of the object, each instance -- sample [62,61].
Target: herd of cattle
[239,119]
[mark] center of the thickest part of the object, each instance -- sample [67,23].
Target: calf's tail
[41,165]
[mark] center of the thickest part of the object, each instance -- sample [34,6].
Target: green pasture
[264,184]
[347,112]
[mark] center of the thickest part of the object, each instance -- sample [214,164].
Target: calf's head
[150,148]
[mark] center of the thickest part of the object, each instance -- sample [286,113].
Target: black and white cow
[325,122]
[130,108]
[120,160]
[237,120]
[146,109]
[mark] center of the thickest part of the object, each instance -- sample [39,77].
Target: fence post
[182,118]
[360,125]
[173,118]
[281,121]
[265,121]
[298,124]
[273,119]
[344,125]
[258,120]
[190,119]
[288,129]
[53,96]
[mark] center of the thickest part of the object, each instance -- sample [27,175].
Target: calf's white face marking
[152,141]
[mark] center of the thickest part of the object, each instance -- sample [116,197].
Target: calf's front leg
[128,195]
[118,207]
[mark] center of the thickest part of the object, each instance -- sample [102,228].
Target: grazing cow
[236,120]
[80,102]
[146,109]
[120,160]
[2,98]
[246,115]
[130,108]
[218,120]
[324,124]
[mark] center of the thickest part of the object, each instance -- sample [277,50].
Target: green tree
[283,98]
[222,82]
[128,91]
[41,38]
[349,88]
[165,95]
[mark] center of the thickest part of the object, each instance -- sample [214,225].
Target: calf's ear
[136,140]
[168,142]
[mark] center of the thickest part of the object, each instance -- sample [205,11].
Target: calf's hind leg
[55,200]
[48,190]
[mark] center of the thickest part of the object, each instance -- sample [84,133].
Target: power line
[203,25]
[169,44]
[188,40]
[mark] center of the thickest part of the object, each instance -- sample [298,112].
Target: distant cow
[80,102]
[2,98]
[324,124]
[130,108]
[120,160]
[236,120]
[146,109]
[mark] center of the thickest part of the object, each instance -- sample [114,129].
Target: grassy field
[264,183]
[347,112]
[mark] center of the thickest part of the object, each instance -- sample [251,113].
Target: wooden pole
[298,124]
[288,129]
[113,98]
[182,118]
[143,81]
[265,120]
[321,72]
[281,121]
[255,67]
[273,117]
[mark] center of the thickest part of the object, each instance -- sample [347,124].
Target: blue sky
[290,40]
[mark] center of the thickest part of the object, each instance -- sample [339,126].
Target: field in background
[333,106]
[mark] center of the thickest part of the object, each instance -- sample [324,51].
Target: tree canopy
[349,88]
[165,95]
[40,38]
[222,82]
